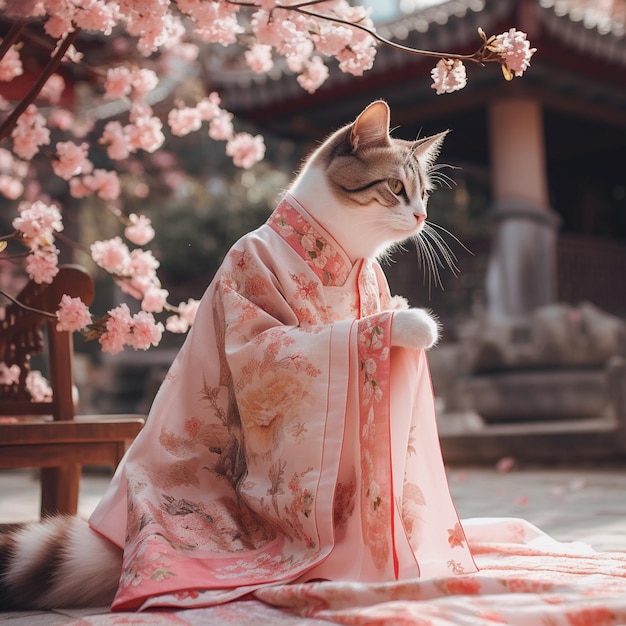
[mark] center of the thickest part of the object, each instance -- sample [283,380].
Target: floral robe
[289,440]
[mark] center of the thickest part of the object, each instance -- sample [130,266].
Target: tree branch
[25,306]
[52,65]
[11,37]
[477,57]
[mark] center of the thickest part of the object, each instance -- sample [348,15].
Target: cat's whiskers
[428,260]
[435,253]
[445,230]
[443,247]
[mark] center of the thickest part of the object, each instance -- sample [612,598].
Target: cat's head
[369,189]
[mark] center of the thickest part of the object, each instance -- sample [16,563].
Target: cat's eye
[396,186]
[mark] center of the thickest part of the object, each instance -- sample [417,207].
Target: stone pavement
[572,504]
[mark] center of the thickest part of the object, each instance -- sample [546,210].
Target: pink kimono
[289,440]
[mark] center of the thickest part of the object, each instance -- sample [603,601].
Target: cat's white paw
[414,328]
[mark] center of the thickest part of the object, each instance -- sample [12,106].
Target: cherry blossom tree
[304,35]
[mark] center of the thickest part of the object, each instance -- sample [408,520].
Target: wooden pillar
[522,268]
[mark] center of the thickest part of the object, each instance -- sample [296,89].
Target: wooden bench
[48,434]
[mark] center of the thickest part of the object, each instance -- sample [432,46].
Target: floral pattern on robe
[289,440]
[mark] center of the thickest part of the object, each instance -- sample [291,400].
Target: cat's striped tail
[59,562]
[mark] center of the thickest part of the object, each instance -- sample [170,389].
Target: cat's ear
[427,149]
[371,127]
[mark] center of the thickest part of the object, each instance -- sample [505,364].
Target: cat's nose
[420,217]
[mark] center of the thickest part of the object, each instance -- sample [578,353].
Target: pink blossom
[259,58]
[140,230]
[184,120]
[176,324]
[9,375]
[78,189]
[72,55]
[187,310]
[6,160]
[267,31]
[514,49]
[295,33]
[333,39]
[140,275]
[112,255]
[114,137]
[72,160]
[353,14]
[37,222]
[135,286]
[53,89]
[42,264]
[106,184]
[139,108]
[61,119]
[356,59]
[143,265]
[215,22]
[10,187]
[448,76]
[145,331]
[209,107]
[154,300]
[141,190]
[174,30]
[118,82]
[313,75]
[56,26]
[174,179]
[29,133]
[221,126]
[297,60]
[73,314]
[11,65]
[245,149]
[154,27]
[18,167]
[145,133]
[185,51]
[505,464]
[143,262]
[118,327]
[95,15]
[60,7]
[143,81]
[38,387]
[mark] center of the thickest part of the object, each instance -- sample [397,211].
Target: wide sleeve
[230,484]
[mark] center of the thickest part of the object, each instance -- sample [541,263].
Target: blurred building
[541,194]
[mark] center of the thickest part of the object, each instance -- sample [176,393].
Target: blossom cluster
[294,35]
[510,49]
[245,149]
[36,384]
[123,329]
[448,76]
[36,224]
[118,328]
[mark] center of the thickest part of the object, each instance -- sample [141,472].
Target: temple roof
[579,68]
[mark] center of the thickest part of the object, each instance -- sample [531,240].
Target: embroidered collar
[309,239]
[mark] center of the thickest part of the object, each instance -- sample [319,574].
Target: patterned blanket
[526,578]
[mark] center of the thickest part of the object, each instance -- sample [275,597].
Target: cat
[366,188]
